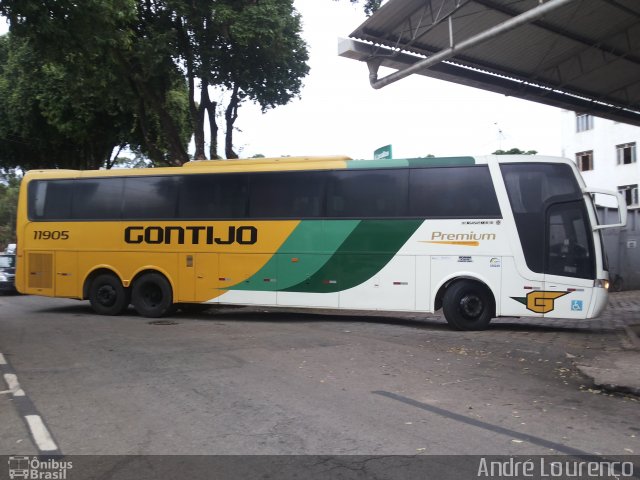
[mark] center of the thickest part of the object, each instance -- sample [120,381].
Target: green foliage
[56,115]
[370,6]
[251,49]
[265,55]
[103,78]
[515,151]
[264,60]
[99,74]
[9,186]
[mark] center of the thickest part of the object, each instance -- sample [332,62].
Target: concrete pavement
[617,369]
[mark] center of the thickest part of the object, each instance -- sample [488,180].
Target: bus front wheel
[107,295]
[152,295]
[468,305]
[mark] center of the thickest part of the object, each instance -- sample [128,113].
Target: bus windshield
[551,218]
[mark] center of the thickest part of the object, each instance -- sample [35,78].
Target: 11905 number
[51,235]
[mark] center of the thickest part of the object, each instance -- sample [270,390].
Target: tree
[9,186]
[117,47]
[72,114]
[51,116]
[265,59]
[515,151]
[151,51]
[370,6]
[252,49]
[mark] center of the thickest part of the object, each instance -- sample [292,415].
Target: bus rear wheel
[152,295]
[468,305]
[107,295]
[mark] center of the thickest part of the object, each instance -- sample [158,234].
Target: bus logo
[38,468]
[540,301]
[469,239]
[18,467]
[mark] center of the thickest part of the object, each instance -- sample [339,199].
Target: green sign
[383,153]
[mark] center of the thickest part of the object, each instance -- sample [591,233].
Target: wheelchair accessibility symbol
[576,305]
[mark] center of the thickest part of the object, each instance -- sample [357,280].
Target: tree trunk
[210,108]
[154,152]
[230,115]
[197,121]
[198,132]
[177,154]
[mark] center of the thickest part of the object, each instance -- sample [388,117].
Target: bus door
[570,261]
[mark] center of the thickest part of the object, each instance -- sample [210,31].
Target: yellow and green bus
[479,237]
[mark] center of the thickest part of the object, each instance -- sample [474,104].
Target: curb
[615,372]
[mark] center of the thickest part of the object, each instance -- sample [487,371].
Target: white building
[605,152]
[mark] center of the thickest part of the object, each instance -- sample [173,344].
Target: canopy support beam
[527,17]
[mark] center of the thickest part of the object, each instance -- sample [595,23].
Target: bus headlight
[601,283]
[3,278]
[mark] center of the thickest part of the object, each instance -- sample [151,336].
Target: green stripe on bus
[365,252]
[307,249]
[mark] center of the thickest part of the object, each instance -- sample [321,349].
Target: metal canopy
[581,55]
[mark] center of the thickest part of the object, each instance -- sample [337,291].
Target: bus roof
[292,163]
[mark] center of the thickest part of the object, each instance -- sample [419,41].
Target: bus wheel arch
[468,303]
[152,294]
[106,292]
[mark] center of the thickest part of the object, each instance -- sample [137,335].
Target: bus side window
[150,197]
[50,200]
[452,192]
[213,196]
[287,194]
[368,193]
[98,199]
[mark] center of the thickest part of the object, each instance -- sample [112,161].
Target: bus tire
[468,305]
[152,295]
[107,295]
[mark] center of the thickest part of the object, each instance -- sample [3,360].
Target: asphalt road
[247,381]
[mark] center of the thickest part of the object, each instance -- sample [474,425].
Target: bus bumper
[599,301]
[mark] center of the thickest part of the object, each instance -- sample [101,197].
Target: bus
[478,237]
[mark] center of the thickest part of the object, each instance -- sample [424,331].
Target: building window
[584,160]
[583,122]
[630,194]
[626,153]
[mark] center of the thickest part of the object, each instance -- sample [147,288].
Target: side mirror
[621,205]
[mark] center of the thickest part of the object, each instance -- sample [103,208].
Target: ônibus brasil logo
[38,469]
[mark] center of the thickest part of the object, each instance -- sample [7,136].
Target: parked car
[7,272]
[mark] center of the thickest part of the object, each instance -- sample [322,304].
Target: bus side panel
[424,302]
[574,300]
[207,281]
[296,269]
[482,268]
[198,279]
[67,283]
[186,278]
[519,295]
[393,288]
[238,267]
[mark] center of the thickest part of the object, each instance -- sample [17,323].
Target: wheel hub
[107,295]
[471,306]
